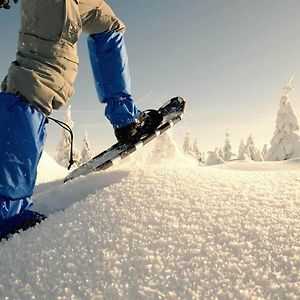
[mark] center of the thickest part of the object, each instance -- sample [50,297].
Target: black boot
[23,221]
[147,123]
[127,134]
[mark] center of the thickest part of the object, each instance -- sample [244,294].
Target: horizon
[229,60]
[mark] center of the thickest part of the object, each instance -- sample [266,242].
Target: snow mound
[250,165]
[171,232]
[57,196]
[49,169]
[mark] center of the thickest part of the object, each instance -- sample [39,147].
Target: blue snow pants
[22,137]
[109,63]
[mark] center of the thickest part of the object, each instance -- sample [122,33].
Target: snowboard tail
[171,111]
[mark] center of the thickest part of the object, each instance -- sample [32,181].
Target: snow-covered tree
[285,143]
[187,144]
[227,149]
[63,149]
[265,151]
[86,153]
[220,152]
[202,158]
[197,153]
[250,147]
[243,151]
[258,155]
[196,150]
[213,158]
[165,147]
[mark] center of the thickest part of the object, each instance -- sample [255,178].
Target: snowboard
[171,111]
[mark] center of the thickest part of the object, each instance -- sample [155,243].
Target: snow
[166,230]
[249,165]
[214,157]
[49,169]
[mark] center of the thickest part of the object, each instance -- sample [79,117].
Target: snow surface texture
[170,230]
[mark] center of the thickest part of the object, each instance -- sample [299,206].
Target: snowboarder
[41,79]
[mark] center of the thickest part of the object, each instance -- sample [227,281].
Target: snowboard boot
[147,123]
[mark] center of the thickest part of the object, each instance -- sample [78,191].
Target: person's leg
[22,131]
[109,61]
[110,67]
[43,74]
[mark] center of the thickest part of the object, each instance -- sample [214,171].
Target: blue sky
[228,58]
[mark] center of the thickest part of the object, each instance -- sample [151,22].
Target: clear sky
[228,58]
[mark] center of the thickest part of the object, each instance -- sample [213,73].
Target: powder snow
[169,229]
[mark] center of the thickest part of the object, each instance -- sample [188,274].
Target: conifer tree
[258,155]
[187,144]
[220,152]
[243,151]
[197,153]
[250,147]
[202,158]
[86,153]
[285,143]
[227,149]
[196,150]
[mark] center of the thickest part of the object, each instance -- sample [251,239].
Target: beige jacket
[47,63]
